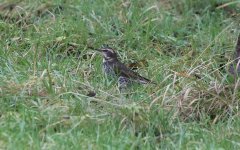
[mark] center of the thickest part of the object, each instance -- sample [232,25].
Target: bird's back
[128,73]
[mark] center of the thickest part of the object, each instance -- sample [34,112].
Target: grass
[49,76]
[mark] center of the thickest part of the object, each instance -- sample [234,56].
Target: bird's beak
[92,48]
[99,50]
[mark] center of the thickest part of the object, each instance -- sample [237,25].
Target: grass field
[54,95]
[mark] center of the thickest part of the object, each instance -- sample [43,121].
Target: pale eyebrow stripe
[110,50]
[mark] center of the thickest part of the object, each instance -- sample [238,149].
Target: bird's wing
[124,71]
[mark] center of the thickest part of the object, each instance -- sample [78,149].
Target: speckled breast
[108,68]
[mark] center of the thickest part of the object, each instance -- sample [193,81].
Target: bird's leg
[123,83]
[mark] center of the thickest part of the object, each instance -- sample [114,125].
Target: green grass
[47,71]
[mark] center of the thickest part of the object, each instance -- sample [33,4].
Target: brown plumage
[114,67]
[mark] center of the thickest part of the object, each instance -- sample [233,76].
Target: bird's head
[108,53]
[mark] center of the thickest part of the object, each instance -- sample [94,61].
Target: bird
[234,68]
[114,67]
